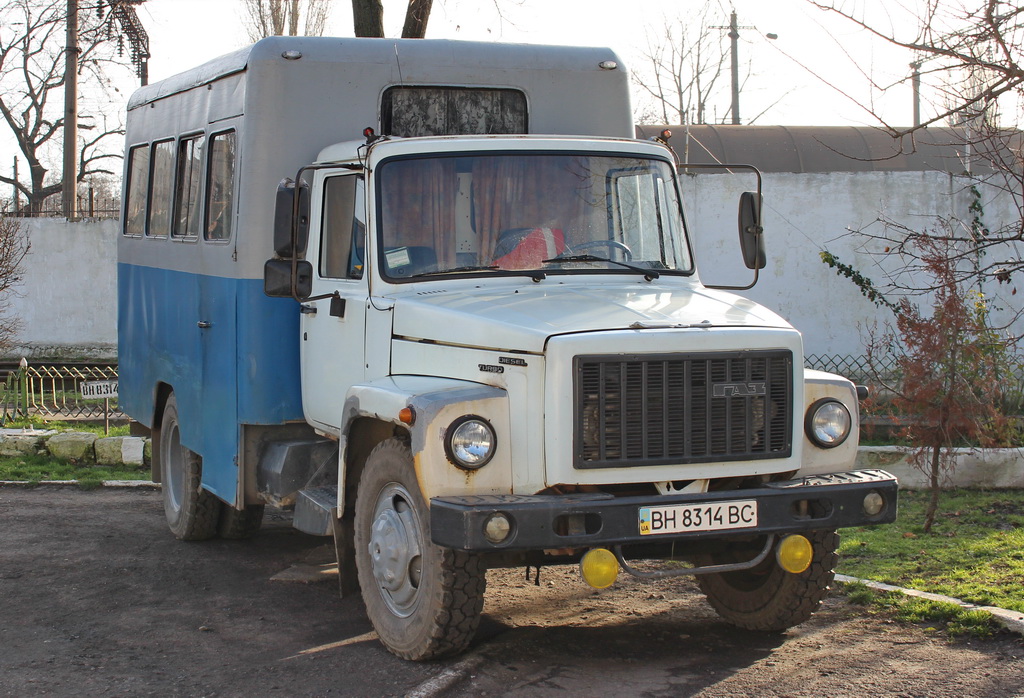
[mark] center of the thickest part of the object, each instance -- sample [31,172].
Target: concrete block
[108,450]
[120,450]
[133,450]
[15,443]
[73,446]
[991,468]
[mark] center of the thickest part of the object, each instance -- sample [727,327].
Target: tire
[236,524]
[423,600]
[192,512]
[767,598]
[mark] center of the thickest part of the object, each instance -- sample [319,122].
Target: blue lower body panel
[229,353]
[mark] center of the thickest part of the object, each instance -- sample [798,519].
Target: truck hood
[522,317]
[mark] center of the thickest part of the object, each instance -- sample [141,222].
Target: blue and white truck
[434,297]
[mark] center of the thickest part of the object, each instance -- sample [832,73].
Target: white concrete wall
[806,213]
[68,305]
[67,300]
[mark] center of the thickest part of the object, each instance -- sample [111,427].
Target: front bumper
[539,522]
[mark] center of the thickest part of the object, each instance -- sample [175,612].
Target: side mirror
[277,279]
[283,211]
[751,232]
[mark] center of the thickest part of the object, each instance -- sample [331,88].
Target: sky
[788,80]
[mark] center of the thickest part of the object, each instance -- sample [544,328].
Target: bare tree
[286,17]
[32,65]
[971,52]
[680,69]
[13,248]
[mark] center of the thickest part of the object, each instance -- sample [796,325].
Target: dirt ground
[96,598]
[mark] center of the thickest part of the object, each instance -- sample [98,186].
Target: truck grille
[660,409]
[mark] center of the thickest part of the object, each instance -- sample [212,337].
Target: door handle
[307,309]
[204,324]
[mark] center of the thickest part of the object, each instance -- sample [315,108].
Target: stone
[120,450]
[14,445]
[133,450]
[72,446]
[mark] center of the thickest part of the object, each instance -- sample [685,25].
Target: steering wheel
[627,254]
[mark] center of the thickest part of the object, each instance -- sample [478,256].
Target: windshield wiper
[455,270]
[535,274]
[649,274]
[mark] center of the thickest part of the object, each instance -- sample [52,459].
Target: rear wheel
[236,524]
[192,513]
[423,600]
[767,597]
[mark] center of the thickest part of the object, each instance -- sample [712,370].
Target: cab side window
[342,228]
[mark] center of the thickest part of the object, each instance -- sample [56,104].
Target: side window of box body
[138,191]
[161,189]
[220,187]
[188,187]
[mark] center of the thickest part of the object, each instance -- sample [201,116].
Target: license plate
[685,518]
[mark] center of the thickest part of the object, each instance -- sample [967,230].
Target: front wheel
[424,600]
[767,597]
[192,513]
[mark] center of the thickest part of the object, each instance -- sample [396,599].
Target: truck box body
[284,111]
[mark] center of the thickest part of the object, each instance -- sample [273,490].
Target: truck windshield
[529,213]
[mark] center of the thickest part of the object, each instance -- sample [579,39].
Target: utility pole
[734,52]
[17,193]
[70,188]
[915,81]
[734,37]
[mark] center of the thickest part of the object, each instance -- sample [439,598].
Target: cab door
[333,328]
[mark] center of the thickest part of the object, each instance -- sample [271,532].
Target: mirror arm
[758,233]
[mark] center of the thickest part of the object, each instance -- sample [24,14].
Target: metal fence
[55,392]
[887,371]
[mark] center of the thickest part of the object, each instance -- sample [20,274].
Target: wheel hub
[395,549]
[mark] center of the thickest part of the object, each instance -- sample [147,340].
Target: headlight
[469,442]
[828,423]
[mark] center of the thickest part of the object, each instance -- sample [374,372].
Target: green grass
[37,468]
[975,551]
[954,619]
[66,425]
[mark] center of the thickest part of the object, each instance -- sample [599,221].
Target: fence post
[23,385]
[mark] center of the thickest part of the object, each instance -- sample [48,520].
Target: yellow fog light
[794,554]
[599,568]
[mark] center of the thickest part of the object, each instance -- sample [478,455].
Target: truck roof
[417,60]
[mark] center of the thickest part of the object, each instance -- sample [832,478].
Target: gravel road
[97,598]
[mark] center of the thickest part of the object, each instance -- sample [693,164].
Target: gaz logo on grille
[738,389]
